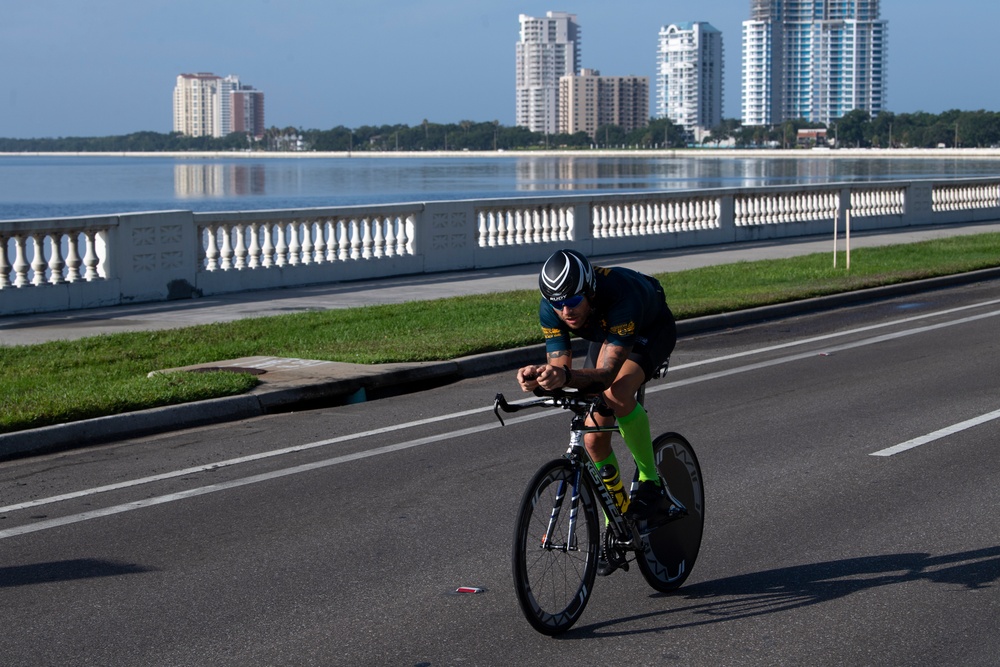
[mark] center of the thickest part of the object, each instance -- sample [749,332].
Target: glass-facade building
[812,59]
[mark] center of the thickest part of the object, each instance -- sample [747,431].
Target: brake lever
[500,403]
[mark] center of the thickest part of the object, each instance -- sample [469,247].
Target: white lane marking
[850,332]
[662,387]
[254,479]
[807,355]
[937,435]
[231,462]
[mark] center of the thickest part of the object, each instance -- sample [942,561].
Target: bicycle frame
[576,453]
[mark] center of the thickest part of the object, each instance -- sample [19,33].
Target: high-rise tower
[812,59]
[549,49]
[689,76]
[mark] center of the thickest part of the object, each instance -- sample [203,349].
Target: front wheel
[555,549]
[669,551]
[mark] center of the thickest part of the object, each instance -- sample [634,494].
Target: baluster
[379,236]
[21,265]
[293,235]
[492,236]
[226,252]
[90,258]
[241,247]
[307,248]
[56,262]
[343,240]
[38,263]
[390,237]
[355,239]
[366,238]
[281,231]
[268,248]
[407,233]
[254,251]
[329,233]
[4,263]
[211,248]
[598,222]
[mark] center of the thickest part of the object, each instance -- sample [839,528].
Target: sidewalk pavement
[288,383]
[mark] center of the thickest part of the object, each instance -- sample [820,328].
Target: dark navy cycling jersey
[625,309]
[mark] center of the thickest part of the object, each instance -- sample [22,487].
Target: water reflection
[539,175]
[41,187]
[195,181]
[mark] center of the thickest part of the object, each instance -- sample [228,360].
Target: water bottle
[613,482]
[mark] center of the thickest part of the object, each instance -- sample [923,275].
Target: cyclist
[624,315]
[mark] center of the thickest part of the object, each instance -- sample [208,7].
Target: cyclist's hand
[527,377]
[551,377]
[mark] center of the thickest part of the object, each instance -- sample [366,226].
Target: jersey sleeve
[554,331]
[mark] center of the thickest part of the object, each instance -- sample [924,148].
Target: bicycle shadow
[784,589]
[64,570]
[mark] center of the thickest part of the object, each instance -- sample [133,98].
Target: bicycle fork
[574,507]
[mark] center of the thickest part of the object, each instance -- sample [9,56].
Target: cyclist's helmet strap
[566,273]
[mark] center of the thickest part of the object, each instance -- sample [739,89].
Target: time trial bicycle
[557,538]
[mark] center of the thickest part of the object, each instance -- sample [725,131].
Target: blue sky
[107,67]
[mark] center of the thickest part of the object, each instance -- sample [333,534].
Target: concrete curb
[403,378]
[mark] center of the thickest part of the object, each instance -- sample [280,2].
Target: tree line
[970,129]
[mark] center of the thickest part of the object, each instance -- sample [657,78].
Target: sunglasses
[571,302]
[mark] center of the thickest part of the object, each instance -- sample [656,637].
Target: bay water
[47,186]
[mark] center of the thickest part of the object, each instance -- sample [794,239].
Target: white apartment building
[590,101]
[549,48]
[204,106]
[689,65]
[813,59]
[196,111]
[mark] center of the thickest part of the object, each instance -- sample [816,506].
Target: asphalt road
[852,481]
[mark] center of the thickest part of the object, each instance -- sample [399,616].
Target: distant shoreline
[853,153]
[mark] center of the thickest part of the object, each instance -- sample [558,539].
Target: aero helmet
[566,273]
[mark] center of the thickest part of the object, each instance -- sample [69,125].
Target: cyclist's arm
[609,364]
[554,375]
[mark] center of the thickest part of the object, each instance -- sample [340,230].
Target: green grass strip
[52,383]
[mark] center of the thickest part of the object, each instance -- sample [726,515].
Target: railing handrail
[87,261]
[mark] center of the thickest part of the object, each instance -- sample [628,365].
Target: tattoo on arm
[612,359]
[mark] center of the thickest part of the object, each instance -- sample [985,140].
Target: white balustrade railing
[519,224]
[646,216]
[773,208]
[963,197]
[874,202]
[42,253]
[60,264]
[304,240]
